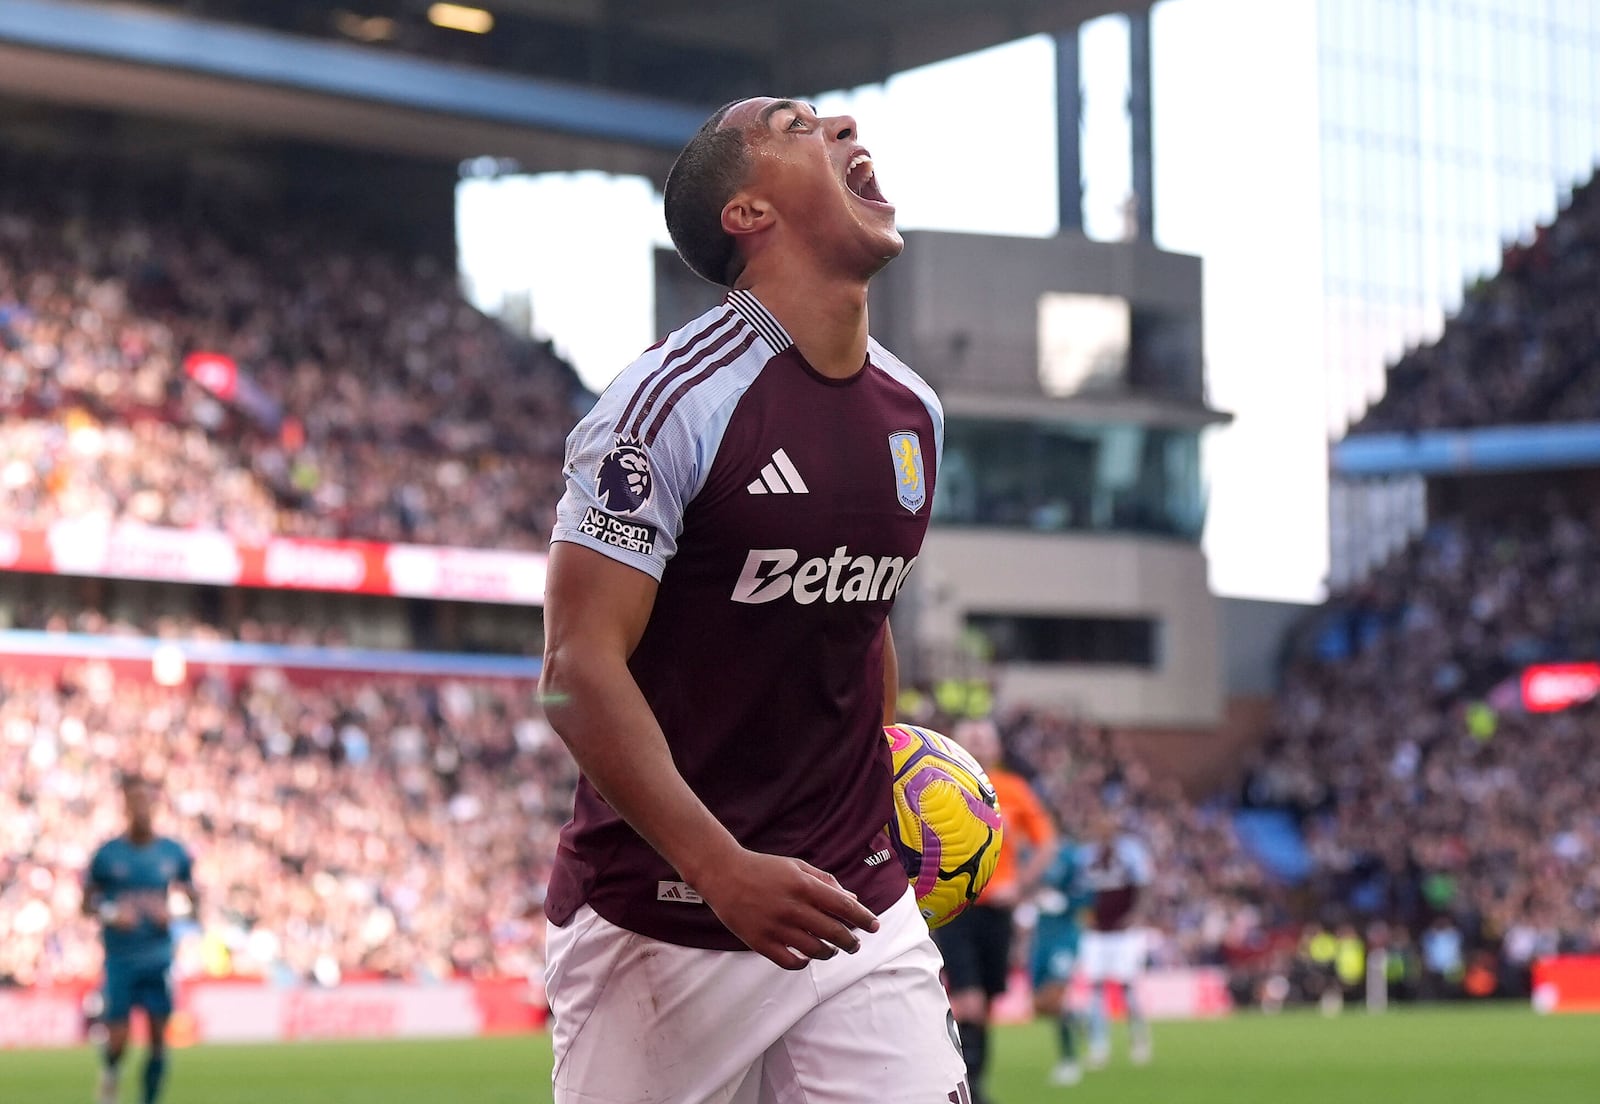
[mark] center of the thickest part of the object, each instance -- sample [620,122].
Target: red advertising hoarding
[246,1011]
[128,551]
[1567,983]
[1552,687]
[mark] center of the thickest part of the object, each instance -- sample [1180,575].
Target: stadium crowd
[1524,348]
[372,401]
[406,829]
[377,827]
[1431,801]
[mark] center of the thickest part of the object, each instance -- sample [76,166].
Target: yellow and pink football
[947,829]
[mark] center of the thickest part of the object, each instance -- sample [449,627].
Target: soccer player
[127,888]
[977,943]
[1053,957]
[1116,868]
[742,506]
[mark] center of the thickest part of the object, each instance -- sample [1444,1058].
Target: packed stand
[1525,347]
[375,827]
[374,401]
[1432,804]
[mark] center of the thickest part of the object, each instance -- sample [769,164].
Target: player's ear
[746,214]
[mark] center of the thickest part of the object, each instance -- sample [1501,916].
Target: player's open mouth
[862,179]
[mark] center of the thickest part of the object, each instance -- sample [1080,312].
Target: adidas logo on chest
[780,476]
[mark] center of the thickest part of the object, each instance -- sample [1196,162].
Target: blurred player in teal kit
[1062,895]
[127,889]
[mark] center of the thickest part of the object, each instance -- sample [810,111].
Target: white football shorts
[1112,956]
[641,1020]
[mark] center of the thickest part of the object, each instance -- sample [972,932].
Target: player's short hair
[131,780]
[707,172]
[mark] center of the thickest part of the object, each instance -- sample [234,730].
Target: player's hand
[1049,900]
[118,915]
[1004,896]
[785,909]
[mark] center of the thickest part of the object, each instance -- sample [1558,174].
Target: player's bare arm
[1034,825]
[191,895]
[110,913]
[1040,855]
[596,610]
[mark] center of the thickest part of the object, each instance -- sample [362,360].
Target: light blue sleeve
[1137,857]
[625,497]
[637,460]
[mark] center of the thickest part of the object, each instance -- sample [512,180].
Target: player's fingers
[781,955]
[807,944]
[825,927]
[806,928]
[839,902]
[818,873]
[847,908]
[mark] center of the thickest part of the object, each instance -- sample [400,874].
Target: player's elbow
[564,684]
[555,686]
[585,687]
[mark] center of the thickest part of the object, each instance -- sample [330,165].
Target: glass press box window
[1061,477]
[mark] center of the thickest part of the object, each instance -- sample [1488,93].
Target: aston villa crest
[910,484]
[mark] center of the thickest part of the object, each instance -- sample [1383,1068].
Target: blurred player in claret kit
[127,888]
[1115,867]
[742,506]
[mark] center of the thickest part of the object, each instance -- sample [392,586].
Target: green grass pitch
[1500,1055]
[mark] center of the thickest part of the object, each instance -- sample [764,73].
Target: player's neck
[826,317]
[139,837]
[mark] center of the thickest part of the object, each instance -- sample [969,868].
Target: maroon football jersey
[1116,872]
[781,512]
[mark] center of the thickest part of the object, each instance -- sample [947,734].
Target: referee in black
[977,944]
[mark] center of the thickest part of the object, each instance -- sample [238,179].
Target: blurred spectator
[1443,961]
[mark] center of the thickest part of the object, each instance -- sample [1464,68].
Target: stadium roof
[812,45]
[612,84]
